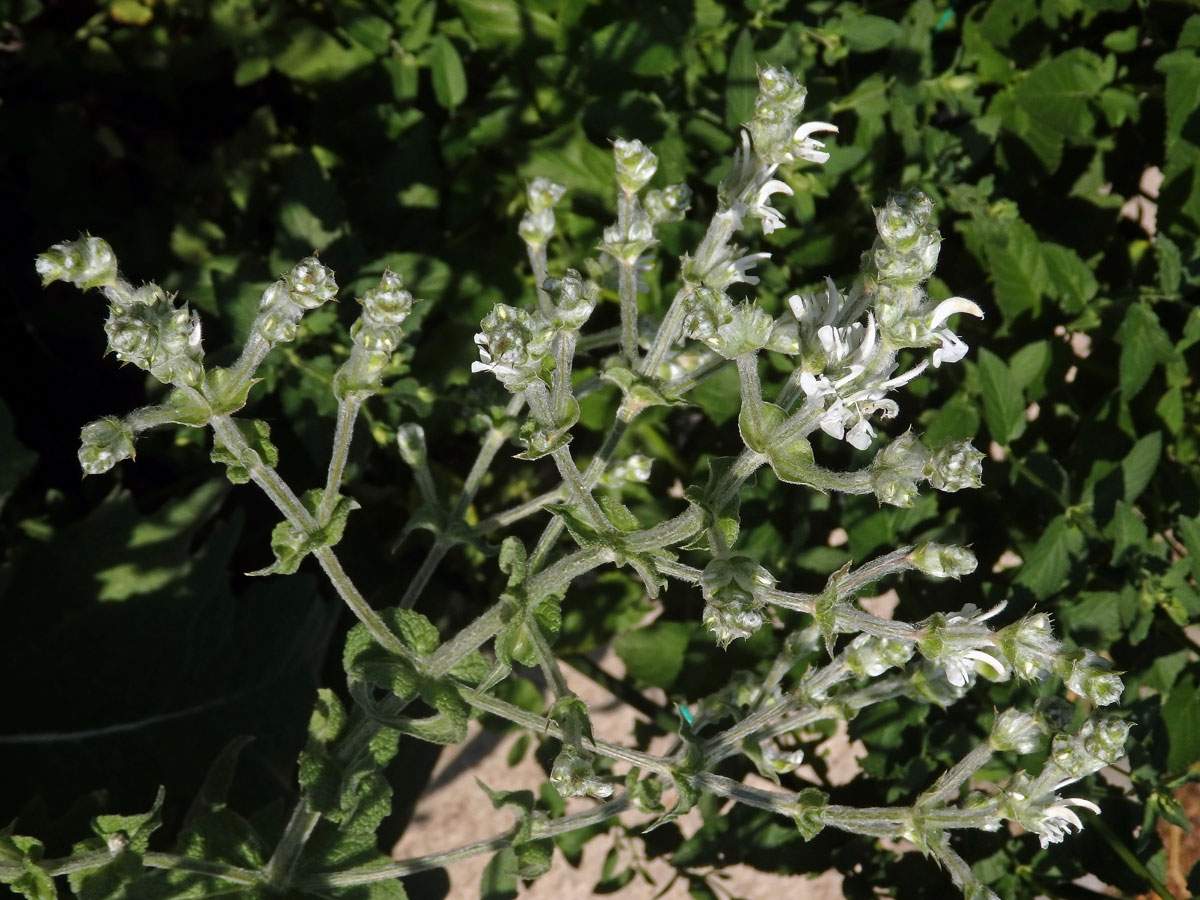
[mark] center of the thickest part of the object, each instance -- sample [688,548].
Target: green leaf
[127,837]
[1072,280]
[26,852]
[741,82]
[366,661]
[1003,405]
[312,212]
[568,157]
[493,23]
[370,31]
[1052,103]
[654,655]
[217,383]
[1029,366]
[1126,530]
[312,55]
[809,803]
[866,33]
[757,430]
[290,544]
[499,881]
[1144,345]
[1137,468]
[186,406]
[261,452]
[1017,266]
[1047,565]
[449,726]
[724,517]
[1181,715]
[1189,530]
[639,391]
[449,77]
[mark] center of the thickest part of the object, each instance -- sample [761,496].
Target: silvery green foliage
[843,346]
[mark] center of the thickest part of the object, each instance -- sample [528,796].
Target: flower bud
[903,220]
[781,761]
[410,439]
[943,560]
[627,471]
[86,263]
[306,286]
[735,588]
[103,444]
[706,311]
[384,310]
[512,345]
[537,225]
[1055,713]
[389,303]
[1099,742]
[626,244]
[868,655]
[635,165]
[904,254]
[896,470]
[1104,738]
[278,316]
[310,284]
[894,487]
[780,100]
[574,299]
[1091,676]
[543,194]
[668,205]
[1016,732]
[954,467]
[145,328]
[573,776]
[749,329]
[1029,646]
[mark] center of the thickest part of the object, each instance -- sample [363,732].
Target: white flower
[850,409]
[955,644]
[815,310]
[961,668]
[807,148]
[740,267]
[1055,822]
[772,219]
[953,347]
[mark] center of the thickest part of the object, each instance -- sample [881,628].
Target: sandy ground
[454,811]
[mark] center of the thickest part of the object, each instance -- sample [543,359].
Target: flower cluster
[376,335]
[778,139]
[512,345]
[537,225]
[308,285]
[848,366]
[574,300]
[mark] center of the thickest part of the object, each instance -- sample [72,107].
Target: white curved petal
[906,377]
[808,128]
[947,308]
[988,660]
[774,186]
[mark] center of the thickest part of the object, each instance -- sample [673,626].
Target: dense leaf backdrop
[214,143]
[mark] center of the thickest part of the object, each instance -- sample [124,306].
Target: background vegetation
[215,143]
